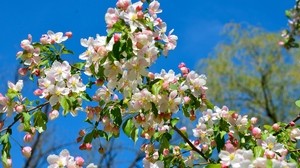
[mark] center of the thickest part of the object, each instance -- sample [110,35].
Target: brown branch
[20,116]
[190,143]
[289,125]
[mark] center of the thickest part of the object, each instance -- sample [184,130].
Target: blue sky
[197,23]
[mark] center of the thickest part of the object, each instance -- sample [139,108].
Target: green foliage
[250,72]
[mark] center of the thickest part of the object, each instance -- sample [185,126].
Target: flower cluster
[58,82]
[64,160]
[13,99]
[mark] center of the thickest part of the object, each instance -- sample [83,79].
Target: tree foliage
[250,72]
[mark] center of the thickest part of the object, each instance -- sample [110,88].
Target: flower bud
[26,151]
[151,75]
[22,71]
[81,133]
[292,123]
[166,152]
[256,132]
[53,114]
[182,64]
[117,37]
[28,137]
[253,120]
[88,146]
[8,163]
[186,99]
[276,127]
[19,108]
[38,92]
[101,150]
[1,124]
[79,161]
[69,34]
[269,154]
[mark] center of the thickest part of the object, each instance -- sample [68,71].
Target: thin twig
[289,125]
[190,143]
[20,116]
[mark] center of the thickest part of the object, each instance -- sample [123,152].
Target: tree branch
[20,116]
[287,126]
[190,143]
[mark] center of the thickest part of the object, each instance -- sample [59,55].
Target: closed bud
[19,108]
[79,161]
[26,151]
[101,150]
[1,124]
[22,71]
[69,34]
[38,92]
[28,137]
[81,133]
[276,127]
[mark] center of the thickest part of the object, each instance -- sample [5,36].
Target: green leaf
[212,165]
[134,134]
[4,138]
[79,65]
[297,103]
[65,104]
[258,151]
[26,121]
[128,126]
[85,96]
[88,138]
[174,121]
[116,116]
[156,87]
[66,51]
[40,121]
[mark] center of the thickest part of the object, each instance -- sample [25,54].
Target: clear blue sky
[197,23]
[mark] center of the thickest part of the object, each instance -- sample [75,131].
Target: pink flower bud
[204,147]
[22,71]
[88,146]
[197,142]
[53,115]
[26,151]
[256,132]
[181,64]
[8,163]
[19,108]
[117,37]
[69,34]
[38,92]
[28,137]
[253,120]
[276,127]
[184,70]
[79,161]
[44,39]
[292,123]
[269,154]
[234,115]
[151,75]
[186,99]
[166,152]
[165,85]
[139,8]
[140,15]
